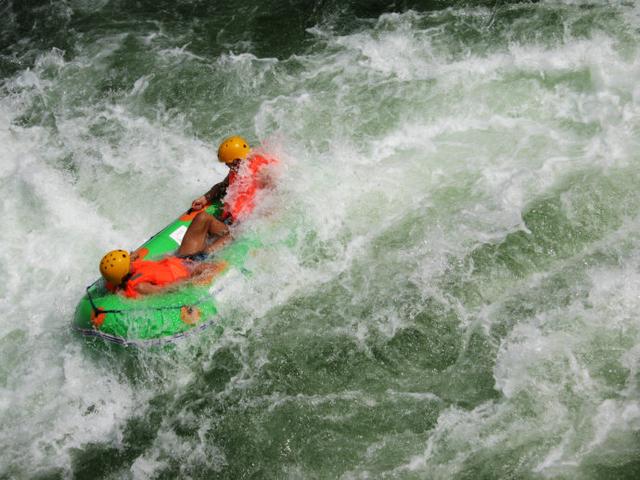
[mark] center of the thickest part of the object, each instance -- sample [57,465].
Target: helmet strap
[125,279]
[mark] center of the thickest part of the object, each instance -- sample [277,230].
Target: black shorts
[227,221]
[195,257]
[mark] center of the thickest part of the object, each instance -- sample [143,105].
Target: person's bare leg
[195,238]
[218,243]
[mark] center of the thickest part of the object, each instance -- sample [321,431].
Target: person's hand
[265,178]
[199,203]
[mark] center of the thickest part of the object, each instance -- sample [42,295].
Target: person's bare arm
[216,192]
[206,272]
[202,273]
[149,288]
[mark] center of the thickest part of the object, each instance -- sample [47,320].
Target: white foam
[399,159]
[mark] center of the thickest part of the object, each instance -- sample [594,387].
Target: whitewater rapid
[450,287]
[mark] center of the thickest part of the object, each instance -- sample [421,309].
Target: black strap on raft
[95,309]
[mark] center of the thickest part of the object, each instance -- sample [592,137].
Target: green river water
[451,283]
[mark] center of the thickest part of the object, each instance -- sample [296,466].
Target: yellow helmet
[114,266]
[233,148]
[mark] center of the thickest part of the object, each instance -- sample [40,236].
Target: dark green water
[451,286]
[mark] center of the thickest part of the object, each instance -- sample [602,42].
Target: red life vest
[243,187]
[160,273]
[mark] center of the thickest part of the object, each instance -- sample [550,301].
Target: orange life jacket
[243,186]
[160,273]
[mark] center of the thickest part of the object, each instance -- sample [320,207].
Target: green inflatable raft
[161,318]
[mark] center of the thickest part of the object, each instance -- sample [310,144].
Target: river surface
[450,285]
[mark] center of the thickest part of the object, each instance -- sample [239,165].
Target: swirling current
[450,283]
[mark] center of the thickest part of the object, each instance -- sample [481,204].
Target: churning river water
[452,283]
